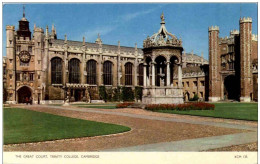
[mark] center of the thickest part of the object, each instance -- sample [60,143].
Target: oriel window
[107,73]
[128,74]
[74,71]
[91,72]
[56,70]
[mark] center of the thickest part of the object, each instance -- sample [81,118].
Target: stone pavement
[199,144]
[247,133]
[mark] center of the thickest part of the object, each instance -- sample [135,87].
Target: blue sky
[130,23]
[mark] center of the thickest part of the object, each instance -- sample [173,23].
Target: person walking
[26,100]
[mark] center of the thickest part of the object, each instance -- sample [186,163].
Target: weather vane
[162,17]
[23,11]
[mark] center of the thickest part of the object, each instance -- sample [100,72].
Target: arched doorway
[231,90]
[23,93]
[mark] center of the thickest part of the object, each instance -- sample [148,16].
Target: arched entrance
[23,93]
[231,90]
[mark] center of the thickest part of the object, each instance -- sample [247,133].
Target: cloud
[131,16]
[92,33]
[103,30]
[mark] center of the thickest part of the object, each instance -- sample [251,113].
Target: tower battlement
[234,32]
[214,28]
[8,27]
[246,20]
[38,29]
[254,37]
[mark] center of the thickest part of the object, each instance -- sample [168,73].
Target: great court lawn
[21,126]
[239,111]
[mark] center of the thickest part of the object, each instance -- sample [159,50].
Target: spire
[202,59]
[162,18]
[98,40]
[34,27]
[52,28]
[47,31]
[83,43]
[192,55]
[23,11]
[135,46]
[65,41]
[118,47]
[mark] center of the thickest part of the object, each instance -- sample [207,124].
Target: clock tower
[24,30]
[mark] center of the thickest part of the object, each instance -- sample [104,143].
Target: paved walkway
[200,144]
[247,135]
[189,121]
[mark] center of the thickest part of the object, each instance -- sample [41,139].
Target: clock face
[25,56]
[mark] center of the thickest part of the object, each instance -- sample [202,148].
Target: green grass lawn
[240,111]
[21,126]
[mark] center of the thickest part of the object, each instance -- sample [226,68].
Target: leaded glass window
[74,71]
[107,73]
[128,74]
[91,72]
[56,70]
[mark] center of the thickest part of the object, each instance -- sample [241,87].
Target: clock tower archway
[23,94]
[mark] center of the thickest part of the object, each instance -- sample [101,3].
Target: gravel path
[144,131]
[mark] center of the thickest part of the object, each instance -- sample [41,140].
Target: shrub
[127,94]
[109,94]
[181,107]
[124,105]
[138,93]
[195,98]
[102,93]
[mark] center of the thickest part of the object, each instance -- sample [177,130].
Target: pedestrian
[26,100]
[30,100]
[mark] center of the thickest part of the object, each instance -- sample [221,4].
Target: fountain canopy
[162,38]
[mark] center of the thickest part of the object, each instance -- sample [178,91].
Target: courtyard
[150,131]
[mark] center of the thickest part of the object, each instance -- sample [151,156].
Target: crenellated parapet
[246,20]
[214,28]
[254,37]
[234,32]
[9,27]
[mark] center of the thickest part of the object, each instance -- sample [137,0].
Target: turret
[53,32]
[214,62]
[245,59]
[24,30]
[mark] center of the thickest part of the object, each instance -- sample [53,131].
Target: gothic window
[107,73]
[74,71]
[202,83]
[128,74]
[56,70]
[18,48]
[140,74]
[31,75]
[24,64]
[195,84]
[18,76]
[91,72]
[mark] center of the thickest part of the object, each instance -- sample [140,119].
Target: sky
[131,23]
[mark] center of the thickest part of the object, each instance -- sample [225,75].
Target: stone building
[49,70]
[233,64]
